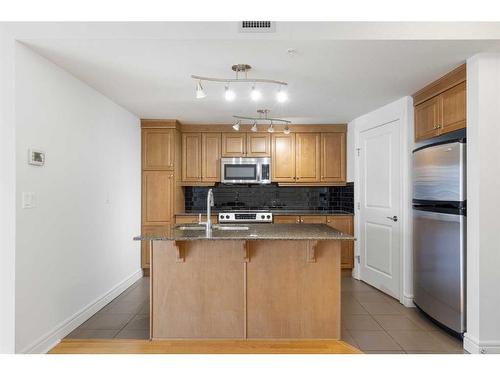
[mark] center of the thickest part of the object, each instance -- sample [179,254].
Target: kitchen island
[251,281]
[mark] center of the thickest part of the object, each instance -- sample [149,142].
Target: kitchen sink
[185,227]
[230,227]
[214,227]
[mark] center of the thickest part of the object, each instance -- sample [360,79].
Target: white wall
[483,205]
[402,110]
[74,250]
[7,193]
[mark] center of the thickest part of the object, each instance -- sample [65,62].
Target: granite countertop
[277,212]
[254,232]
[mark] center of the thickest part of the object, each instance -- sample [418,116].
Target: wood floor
[71,346]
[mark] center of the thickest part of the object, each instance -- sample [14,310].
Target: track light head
[236,126]
[281,96]
[200,93]
[286,130]
[254,126]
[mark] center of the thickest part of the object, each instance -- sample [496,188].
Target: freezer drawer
[439,172]
[439,265]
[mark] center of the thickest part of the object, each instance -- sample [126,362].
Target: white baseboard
[51,339]
[407,301]
[474,346]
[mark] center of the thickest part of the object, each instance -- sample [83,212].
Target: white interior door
[380,189]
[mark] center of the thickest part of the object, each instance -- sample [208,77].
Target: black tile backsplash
[227,197]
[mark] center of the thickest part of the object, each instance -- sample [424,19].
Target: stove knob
[227,216]
[222,216]
[268,216]
[262,216]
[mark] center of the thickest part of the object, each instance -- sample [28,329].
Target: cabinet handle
[301,220]
[438,126]
[298,220]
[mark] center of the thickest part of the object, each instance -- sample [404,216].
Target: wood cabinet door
[258,144]
[307,157]
[283,154]
[344,223]
[427,118]
[286,219]
[313,219]
[210,157]
[157,197]
[453,109]
[158,149]
[191,157]
[333,157]
[233,144]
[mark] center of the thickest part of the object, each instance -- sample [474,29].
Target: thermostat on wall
[36,157]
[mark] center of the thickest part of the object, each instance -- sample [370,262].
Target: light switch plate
[28,200]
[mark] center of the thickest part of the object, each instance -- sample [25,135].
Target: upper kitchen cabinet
[427,119]
[210,157]
[441,106]
[234,144]
[191,157]
[158,149]
[333,157]
[258,145]
[307,157]
[283,157]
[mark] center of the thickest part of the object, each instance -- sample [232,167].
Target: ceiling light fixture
[254,126]
[264,116]
[270,129]
[243,69]
[229,94]
[255,94]
[281,96]
[200,93]
[236,126]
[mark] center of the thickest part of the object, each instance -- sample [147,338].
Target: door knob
[394,218]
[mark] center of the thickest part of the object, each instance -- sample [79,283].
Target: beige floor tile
[350,284]
[133,334]
[360,323]
[452,343]
[374,340]
[418,340]
[123,307]
[107,321]
[371,297]
[144,308]
[420,319]
[138,322]
[381,308]
[92,334]
[347,337]
[397,322]
[352,307]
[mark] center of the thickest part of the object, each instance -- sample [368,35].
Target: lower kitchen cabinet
[343,223]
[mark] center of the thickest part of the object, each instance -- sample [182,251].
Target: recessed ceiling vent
[257,27]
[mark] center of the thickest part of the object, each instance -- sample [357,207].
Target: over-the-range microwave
[245,170]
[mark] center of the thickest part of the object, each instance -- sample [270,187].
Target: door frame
[402,110]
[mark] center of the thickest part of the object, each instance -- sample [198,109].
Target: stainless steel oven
[245,170]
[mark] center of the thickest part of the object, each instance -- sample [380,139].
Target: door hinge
[359,206]
[358,259]
[358,150]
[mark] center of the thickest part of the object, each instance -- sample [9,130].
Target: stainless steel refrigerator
[439,231]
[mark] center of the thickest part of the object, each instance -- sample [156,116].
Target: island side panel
[291,297]
[202,296]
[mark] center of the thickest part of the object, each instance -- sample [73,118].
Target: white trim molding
[51,339]
[474,346]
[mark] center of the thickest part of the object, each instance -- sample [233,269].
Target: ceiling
[330,81]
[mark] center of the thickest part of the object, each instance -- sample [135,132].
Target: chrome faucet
[210,203]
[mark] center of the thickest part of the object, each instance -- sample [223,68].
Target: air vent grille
[257,27]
